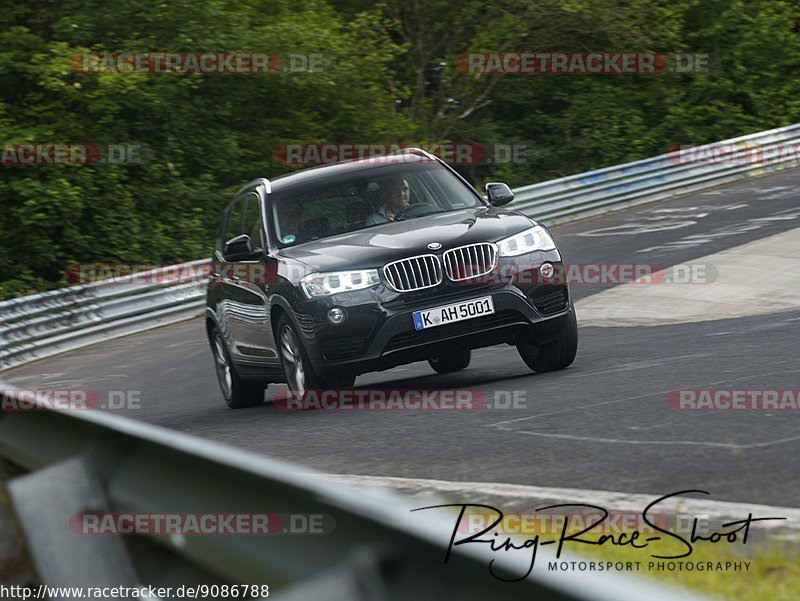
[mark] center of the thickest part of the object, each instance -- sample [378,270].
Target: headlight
[317,285]
[530,240]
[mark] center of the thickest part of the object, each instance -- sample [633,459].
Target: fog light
[547,270]
[336,316]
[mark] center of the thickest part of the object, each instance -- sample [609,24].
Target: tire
[237,393]
[453,362]
[555,354]
[297,368]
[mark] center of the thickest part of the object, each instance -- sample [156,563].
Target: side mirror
[238,248]
[498,194]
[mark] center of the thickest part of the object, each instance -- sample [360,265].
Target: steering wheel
[410,209]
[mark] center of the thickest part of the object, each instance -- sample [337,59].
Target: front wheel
[238,393]
[297,368]
[555,354]
[456,361]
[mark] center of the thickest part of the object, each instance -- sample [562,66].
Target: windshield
[366,199]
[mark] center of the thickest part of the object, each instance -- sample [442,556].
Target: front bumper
[378,331]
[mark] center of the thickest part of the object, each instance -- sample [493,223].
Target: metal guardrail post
[85,460]
[45,501]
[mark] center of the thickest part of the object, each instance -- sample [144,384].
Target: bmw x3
[339,270]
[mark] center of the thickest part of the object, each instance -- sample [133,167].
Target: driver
[396,195]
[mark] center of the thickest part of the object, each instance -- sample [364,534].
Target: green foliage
[389,75]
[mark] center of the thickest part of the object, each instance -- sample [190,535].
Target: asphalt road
[602,424]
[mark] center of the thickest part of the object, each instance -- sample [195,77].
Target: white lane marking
[504,425]
[589,406]
[766,373]
[619,501]
[676,210]
[762,191]
[68,382]
[638,365]
[777,217]
[650,427]
[689,443]
[571,410]
[727,231]
[637,228]
[706,237]
[202,343]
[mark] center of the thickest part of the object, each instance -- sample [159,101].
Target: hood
[374,246]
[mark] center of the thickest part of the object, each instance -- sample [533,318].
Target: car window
[315,215]
[364,200]
[448,189]
[232,226]
[252,220]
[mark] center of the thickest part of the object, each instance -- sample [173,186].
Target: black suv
[338,270]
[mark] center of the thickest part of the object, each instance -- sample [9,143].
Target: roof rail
[266,183]
[418,151]
[261,181]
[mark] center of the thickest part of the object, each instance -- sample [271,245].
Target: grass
[773,573]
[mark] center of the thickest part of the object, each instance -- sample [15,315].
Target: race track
[603,424]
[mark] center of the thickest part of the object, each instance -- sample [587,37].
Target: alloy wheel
[293,361]
[223,367]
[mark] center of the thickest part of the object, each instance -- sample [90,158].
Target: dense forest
[360,73]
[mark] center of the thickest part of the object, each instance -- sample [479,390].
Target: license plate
[439,316]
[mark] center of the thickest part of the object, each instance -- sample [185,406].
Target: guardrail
[660,177]
[41,325]
[373,547]
[45,324]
